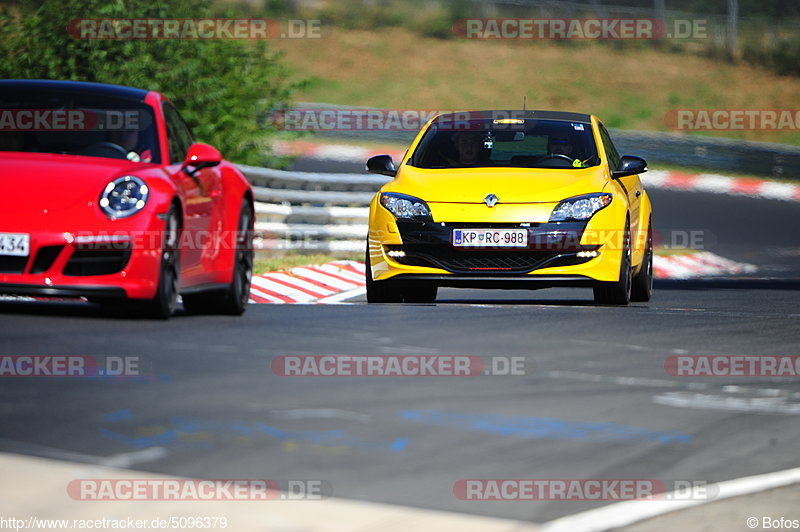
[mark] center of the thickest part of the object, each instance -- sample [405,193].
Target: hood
[510,185]
[39,181]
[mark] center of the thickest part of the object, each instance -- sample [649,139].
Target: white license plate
[490,238]
[15,244]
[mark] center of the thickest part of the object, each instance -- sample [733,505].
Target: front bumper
[557,254]
[428,244]
[106,292]
[96,264]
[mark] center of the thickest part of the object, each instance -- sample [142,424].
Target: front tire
[618,292]
[233,300]
[162,306]
[420,293]
[380,291]
[642,287]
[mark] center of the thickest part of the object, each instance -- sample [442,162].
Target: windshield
[44,121]
[524,143]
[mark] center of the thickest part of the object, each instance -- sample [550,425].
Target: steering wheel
[105,149]
[557,156]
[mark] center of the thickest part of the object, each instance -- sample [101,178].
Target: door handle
[638,193]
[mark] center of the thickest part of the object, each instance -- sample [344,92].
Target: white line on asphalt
[122,460]
[626,513]
[343,296]
[763,405]
[126,460]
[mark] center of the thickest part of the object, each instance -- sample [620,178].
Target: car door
[200,192]
[631,184]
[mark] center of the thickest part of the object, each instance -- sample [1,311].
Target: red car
[106,195]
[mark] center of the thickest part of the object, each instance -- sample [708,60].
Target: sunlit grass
[630,88]
[267,262]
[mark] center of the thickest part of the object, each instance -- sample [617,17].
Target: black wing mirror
[629,165]
[381,164]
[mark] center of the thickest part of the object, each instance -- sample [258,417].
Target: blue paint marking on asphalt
[165,438]
[179,426]
[120,415]
[542,427]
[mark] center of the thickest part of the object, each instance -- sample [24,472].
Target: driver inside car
[129,141]
[562,145]
[470,146]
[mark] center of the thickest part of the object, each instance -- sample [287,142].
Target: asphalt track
[596,401]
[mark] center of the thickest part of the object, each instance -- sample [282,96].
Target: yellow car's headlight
[580,207]
[402,206]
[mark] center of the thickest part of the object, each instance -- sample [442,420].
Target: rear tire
[380,291]
[642,286]
[618,292]
[233,300]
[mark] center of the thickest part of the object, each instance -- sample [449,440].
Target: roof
[517,113]
[81,87]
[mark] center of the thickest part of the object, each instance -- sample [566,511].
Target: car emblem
[491,200]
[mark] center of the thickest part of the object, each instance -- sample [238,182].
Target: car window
[180,137]
[611,151]
[41,120]
[521,143]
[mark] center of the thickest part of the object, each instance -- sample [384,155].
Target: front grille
[491,261]
[106,261]
[45,258]
[13,264]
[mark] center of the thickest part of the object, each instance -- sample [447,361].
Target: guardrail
[311,211]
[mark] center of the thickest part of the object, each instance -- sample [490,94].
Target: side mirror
[629,165]
[201,156]
[381,164]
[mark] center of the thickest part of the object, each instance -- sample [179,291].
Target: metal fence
[311,211]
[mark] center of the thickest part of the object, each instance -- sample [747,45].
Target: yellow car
[510,199]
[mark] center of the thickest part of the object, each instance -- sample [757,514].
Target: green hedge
[223,88]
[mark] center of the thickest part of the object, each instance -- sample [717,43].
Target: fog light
[587,254]
[396,254]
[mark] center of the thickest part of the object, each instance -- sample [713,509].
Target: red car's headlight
[123,197]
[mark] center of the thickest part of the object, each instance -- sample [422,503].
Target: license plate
[490,238]
[15,244]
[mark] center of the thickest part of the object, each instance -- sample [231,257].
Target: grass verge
[628,88]
[266,262]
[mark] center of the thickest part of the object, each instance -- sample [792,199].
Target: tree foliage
[223,88]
